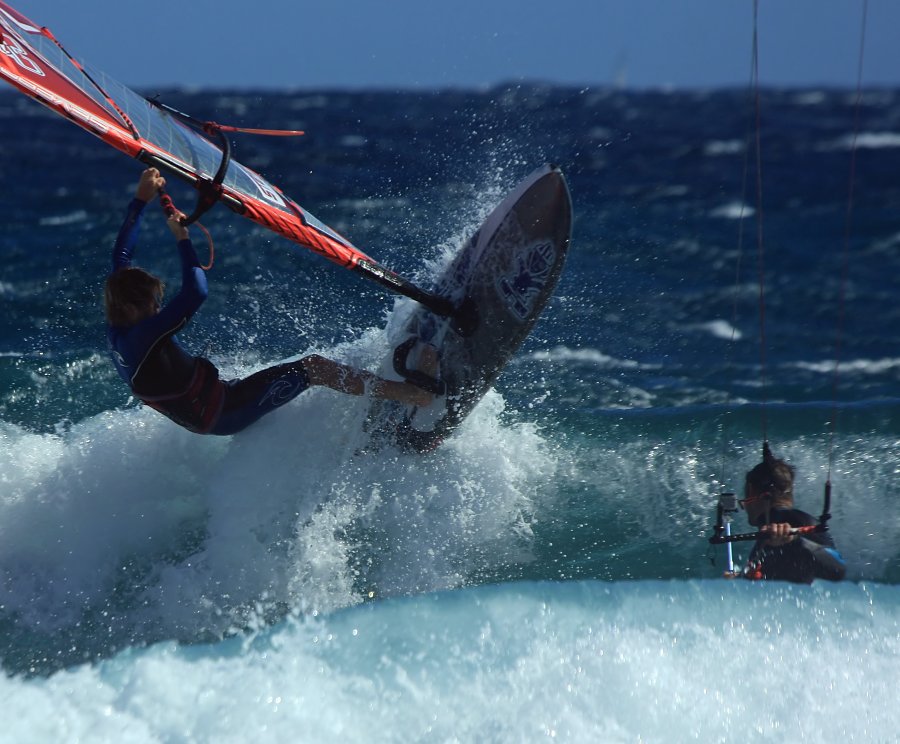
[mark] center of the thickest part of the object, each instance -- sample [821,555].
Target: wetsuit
[184,387]
[806,557]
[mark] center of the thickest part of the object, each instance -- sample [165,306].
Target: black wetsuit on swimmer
[806,557]
[183,387]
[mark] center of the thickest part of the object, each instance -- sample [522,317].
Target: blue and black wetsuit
[806,557]
[184,387]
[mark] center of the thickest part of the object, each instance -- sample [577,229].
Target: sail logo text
[10,48]
[97,125]
[267,191]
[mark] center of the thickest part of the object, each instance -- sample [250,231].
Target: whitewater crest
[129,521]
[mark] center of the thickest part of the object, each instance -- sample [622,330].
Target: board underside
[501,280]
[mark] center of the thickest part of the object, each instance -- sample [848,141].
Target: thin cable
[760,245]
[845,251]
[78,66]
[737,273]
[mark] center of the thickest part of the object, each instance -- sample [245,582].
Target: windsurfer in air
[780,552]
[186,388]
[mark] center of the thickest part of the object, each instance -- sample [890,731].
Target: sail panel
[33,62]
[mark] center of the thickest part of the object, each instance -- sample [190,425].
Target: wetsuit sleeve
[126,240]
[192,294]
[825,561]
[175,314]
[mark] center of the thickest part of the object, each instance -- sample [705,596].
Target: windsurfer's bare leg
[340,377]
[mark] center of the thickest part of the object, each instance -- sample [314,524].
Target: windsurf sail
[35,63]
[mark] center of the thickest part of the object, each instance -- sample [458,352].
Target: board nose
[549,204]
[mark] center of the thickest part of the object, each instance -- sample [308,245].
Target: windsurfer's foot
[429,362]
[405,392]
[417,362]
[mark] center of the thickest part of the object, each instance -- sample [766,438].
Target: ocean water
[545,574]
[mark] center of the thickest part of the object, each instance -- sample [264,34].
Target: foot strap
[415,376]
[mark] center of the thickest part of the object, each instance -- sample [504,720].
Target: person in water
[187,389]
[780,552]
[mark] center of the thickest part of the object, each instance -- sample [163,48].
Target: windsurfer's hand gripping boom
[150,185]
[175,223]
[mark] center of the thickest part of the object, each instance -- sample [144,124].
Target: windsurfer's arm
[123,249]
[194,288]
[337,376]
[148,187]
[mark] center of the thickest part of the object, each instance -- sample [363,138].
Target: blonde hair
[127,294]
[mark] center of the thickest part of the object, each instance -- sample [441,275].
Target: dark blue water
[645,389]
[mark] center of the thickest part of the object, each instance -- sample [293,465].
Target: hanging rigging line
[760,245]
[845,252]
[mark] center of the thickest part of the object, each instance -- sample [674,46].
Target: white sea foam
[578,662]
[361,205]
[589,356]
[716,148]
[290,518]
[215,526]
[733,211]
[353,141]
[878,140]
[851,366]
[809,98]
[864,141]
[58,220]
[718,328]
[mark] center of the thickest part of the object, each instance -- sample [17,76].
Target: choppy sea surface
[545,574]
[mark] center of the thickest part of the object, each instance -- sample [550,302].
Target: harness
[196,408]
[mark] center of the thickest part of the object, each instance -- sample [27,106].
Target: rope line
[845,250]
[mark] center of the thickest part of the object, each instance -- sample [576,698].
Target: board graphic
[499,282]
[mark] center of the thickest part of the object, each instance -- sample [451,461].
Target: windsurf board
[500,282]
